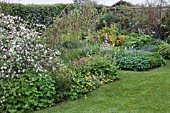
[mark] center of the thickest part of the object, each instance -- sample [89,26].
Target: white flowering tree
[21,50]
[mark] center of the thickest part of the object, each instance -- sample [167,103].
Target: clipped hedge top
[33,13]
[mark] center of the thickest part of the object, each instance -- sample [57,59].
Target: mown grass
[133,92]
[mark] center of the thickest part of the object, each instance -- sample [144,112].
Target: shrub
[71,44]
[119,40]
[164,50]
[63,79]
[135,40]
[123,32]
[138,61]
[32,13]
[111,33]
[97,71]
[71,54]
[79,23]
[26,92]
[21,50]
[148,47]
[168,39]
[106,20]
[90,49]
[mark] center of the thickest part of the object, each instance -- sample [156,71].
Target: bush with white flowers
[21,50]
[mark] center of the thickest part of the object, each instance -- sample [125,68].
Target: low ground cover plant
[27,92]
[137,60]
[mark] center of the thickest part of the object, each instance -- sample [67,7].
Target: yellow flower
[88,73]
[89,84]
[85,96]
[88,55]
[86,78]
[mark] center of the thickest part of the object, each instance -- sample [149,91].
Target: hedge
[33,13]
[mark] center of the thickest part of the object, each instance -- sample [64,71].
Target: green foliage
[165,23]
[30,91]
[138,61]
[71,54]
[71,44]
[97,71]
[34,14]
[106,20]
[90,49]
[103,67]
[63,80]
[82,84]
[79,23]
[124,17]
[110,31]
[164,50]
[168,39]
[135,40]
[150,88]
[122,32]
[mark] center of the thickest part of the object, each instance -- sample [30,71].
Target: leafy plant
[90,49]
[33,13]
[97,71]
[139,61]
[168,39]
[164,50]
[110,32]
[26,92]
[71,54]
[135,40]
[119,40]
[63,79]
[75,25]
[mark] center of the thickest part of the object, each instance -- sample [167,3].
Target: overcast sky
[105,2]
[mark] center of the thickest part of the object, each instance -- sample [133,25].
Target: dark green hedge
[33,13]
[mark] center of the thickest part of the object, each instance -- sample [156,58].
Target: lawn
[133,92]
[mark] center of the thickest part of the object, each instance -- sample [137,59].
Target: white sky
[105,2]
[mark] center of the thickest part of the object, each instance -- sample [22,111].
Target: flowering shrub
[120,39]
[21,50]
[110,32]
[82,84]
[97,71]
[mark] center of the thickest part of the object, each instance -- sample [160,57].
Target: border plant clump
[25,63]
[27,92]
[164,50]
[97,71]
[137,60]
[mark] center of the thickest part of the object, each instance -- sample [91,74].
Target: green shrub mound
[97,71]
[139,61]
[136,40]
[28,91]
[164,50]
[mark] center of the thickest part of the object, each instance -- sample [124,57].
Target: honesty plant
[21,50]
